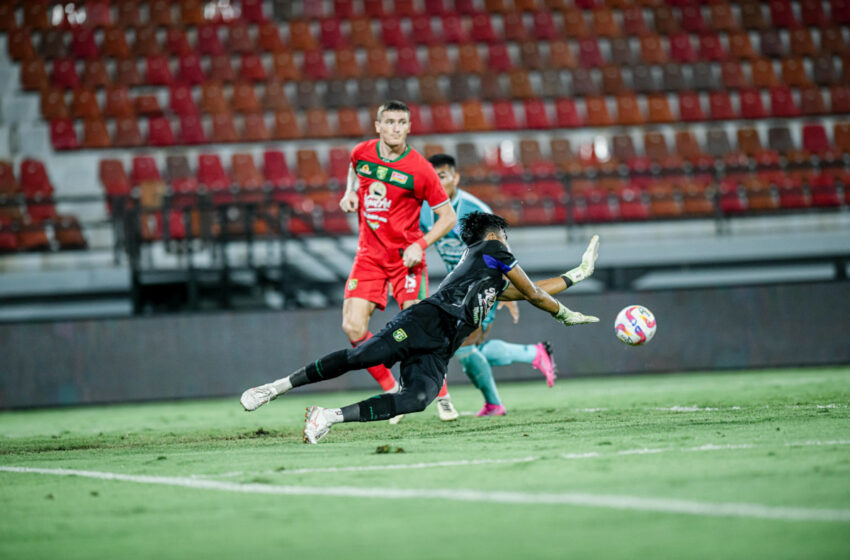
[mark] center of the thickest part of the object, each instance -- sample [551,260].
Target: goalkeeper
[425,336]
[477,357]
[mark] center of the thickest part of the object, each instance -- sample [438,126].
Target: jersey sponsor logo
[364,169]
[382,172]
[399,178]
[399,335]
[352,284]
[485,303]
[376,203]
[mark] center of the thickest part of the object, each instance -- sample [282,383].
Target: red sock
[444,392]
[380,372]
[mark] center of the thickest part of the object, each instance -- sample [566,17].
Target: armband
[422,243]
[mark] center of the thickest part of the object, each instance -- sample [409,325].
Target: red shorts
[369,279]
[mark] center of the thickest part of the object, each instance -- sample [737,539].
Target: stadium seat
[159,13]
[720,106]
[407,63]
[159,132]
[535,114]
[574,24]
[189,70]
[561,56]
[473,117]
[180,100]
[823,71]
[732,75]
[665,21]
[643,80]
[285,125]
[377,63]
[659,109]
[244,100]
[751,16]
[53,104]
[722,17]
[33,75]
[212,99]
[583,83]
[223,128]
[503,116]
[64,74]
[276,171]
[491,87]
[239,39]
[651,50]
[309,169]
[94,75]
[621,52]
[710,48]
[681,50]
[751,104]
[604,23]
[811,102]
[115,43]
[763,74]
[551,85]
[62,135]
[481,28]
[771,43]
[815,139]
[176,42]
[284,68]
[628,111]
[498,58]
[520,84]
[824,192]
[832,41]
[317,124]
[597,112]
[361,35]
[782,103]
[52,45]
[221,69]
[251,68]
[782,14]
[157,71]
[212,176]
[589,54]
[839,99]
[703,77]
[145,42]
[268,38]
[191,130]
[84,104]
[118,103]
[348,123]
[612,80]
[192,12]
[794,73]
[566,114]
[513,28]
[19,45]
[740,46]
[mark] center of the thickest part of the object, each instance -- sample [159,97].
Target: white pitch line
[611,501]
[704,447]
[395,466]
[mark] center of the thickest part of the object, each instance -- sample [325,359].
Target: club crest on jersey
[352,284]
[364,169]
[399,335]
[382,172]
[399,178]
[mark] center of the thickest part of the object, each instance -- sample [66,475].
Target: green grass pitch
[721,465]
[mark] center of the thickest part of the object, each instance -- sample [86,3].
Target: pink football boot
[492,410]
[544,362]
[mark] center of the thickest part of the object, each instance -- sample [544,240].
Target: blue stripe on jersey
[498,265]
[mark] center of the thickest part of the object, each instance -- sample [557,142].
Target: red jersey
[391,195]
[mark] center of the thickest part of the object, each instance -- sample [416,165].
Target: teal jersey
[450,247]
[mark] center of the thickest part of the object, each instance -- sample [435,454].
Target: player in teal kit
[477,356]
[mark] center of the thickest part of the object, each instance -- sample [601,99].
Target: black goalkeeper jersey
[471,289]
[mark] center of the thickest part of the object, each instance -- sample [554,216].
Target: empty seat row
[28,217]
[444,118]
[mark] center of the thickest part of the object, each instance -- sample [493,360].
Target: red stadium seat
[407,63]
[157,72]
[566,114]
[314,65]
[223,128]
[710,48]
[681,49]
[535,114]
[690,109]
[180,100]
[441,119]
[268,38]
[720,106]
[62,135]
[82,43]
[221,69]
[276,171]
[208,41]
[503,116]
[751,105]
[589,54]
[330,34]
[251,68]
[64,74]
[815,139]
[781,102]
[782,14]
[482,28]
[191,130]
[159,132]
[498,58]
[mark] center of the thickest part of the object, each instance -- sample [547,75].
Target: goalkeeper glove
[588,263]
[569,317]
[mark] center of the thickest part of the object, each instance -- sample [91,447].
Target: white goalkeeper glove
[569,317]
[588,263]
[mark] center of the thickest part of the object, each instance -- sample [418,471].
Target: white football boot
[255,397]
[446,409]
[316,425]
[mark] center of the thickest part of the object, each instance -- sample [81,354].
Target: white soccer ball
[635,325]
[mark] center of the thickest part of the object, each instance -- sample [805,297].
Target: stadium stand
[641,112]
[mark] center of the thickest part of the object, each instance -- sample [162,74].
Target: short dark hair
[441,160]
[393,105]
[475,226]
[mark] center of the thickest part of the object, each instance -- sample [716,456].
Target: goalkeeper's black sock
[379,407]
[327,367]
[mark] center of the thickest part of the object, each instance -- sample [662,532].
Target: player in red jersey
[387,184]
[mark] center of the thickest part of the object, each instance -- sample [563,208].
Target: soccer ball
[635,325]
